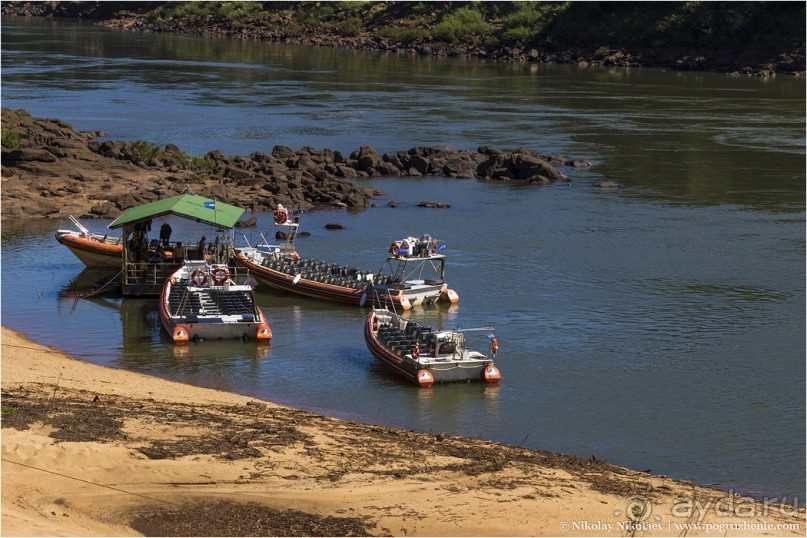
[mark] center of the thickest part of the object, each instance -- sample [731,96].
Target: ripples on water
[657,326]
[649,335]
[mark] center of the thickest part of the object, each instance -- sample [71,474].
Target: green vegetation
[11,139]
[198,13]
[403,34]
[529,22]
[350,27]
[204,163]
[148,152]
[144,151]
[461,25]
[735,27]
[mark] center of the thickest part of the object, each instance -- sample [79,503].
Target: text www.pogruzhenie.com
[677,526]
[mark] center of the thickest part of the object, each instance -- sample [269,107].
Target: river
[658,326]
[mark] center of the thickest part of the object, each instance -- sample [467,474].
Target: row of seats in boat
[327,273]
[233,303]
[215,303]
[196,303]
[402,341]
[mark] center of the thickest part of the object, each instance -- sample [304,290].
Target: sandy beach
[95,451]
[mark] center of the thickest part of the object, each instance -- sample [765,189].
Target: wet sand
[95,451]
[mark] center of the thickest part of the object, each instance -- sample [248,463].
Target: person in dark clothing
[200,248]
[165,233]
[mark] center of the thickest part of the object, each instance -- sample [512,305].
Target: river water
[659,326]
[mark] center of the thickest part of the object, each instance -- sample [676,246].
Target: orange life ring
[220,275]
[494,346]
[281,215]
[199,278]
[416,351]
[393,248]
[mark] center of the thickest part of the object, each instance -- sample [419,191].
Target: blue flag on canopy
[210,205]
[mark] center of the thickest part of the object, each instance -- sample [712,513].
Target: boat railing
[78,225]
[387,301]
[135,273]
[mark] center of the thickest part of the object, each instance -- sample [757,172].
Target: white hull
[195,307]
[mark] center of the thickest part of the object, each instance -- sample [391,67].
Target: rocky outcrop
[49,169]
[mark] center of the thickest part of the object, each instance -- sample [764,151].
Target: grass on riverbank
[730,26]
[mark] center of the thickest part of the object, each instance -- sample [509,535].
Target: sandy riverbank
[94,451]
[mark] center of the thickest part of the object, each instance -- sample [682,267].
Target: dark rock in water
[419,163]
[607,184]
[489,150]
[526,165]
[285,235]
[366,157]
[434,204]
[333,226]
[283,152]
[252,221]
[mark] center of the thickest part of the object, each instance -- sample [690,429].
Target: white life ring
[199,278]
[281,215]
[220,275]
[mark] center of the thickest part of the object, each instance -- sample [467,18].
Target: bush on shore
[741,30]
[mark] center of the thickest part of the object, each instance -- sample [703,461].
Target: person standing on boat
[165,233]
[179,252]
[200,248]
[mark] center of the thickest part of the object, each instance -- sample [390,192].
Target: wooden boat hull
[211,327]
[429,372]
[91,250]
[310,288]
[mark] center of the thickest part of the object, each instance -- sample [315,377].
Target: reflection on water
[658,326]
[697,138]
[628,329]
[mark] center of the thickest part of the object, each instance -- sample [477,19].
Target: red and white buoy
[425,378]
[491,374]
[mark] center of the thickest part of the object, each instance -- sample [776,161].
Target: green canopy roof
[188,206]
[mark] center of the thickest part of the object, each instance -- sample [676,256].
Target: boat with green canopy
[147,262]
